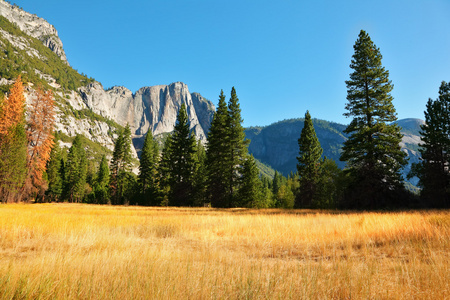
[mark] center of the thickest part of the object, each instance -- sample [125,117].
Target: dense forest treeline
[222,173]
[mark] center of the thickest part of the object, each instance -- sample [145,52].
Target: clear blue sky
[283,57]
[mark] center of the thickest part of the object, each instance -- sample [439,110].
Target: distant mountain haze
[277,145]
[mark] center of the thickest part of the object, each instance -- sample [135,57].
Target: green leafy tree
[372,151]
[285,196]
[308,165]
[148,166]
[433,170]
[75,171]
[216,166]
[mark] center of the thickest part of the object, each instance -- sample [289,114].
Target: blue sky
[283,57]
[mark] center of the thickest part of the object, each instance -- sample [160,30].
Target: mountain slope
[35,27]
[277,144]
[84,107]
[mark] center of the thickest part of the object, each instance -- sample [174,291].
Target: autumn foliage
[39,136]
[12,108]
[25,143]
[12,143]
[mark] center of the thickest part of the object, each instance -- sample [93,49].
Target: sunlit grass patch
[87,251]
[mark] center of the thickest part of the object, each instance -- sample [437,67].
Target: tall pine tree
[148,166]
[433,170]
[200,177]
[308,165]
[101,183]
[250,190]
[216,166]
[55,180]
[75,171]
[372,151]
[180,162]
[237,143]
[226,153]
[121,179]
[165,173]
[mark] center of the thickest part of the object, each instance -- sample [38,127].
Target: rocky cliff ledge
[152,108]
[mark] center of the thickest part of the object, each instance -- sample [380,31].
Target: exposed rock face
[34,26]
[410,143]
[152,108]
[95,130]
[204,109]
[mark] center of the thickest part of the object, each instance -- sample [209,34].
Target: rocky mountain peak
[152,108]
[34,26]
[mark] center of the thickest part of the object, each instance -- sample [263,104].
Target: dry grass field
[67,251]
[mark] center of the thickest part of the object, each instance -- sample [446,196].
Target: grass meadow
[66,251]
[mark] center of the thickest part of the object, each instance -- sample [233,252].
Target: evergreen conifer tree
[181,162]
[327,193]
[372,151]
[13,153]
[200,177]
[276,184]
[165,173]
[148,166]
[250,190]
[308,165]
[13,146]
[237,147]
[433,170]
[226,153]
[55,181]
[216,166]
[75,171]
[121,179]
[101,183]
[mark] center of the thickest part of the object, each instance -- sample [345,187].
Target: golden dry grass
[64,251]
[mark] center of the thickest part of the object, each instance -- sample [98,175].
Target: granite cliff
[34,26]
[152,108]
[83,105]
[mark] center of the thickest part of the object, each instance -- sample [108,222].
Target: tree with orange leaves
[13,143]
[39,131]
[13,107]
